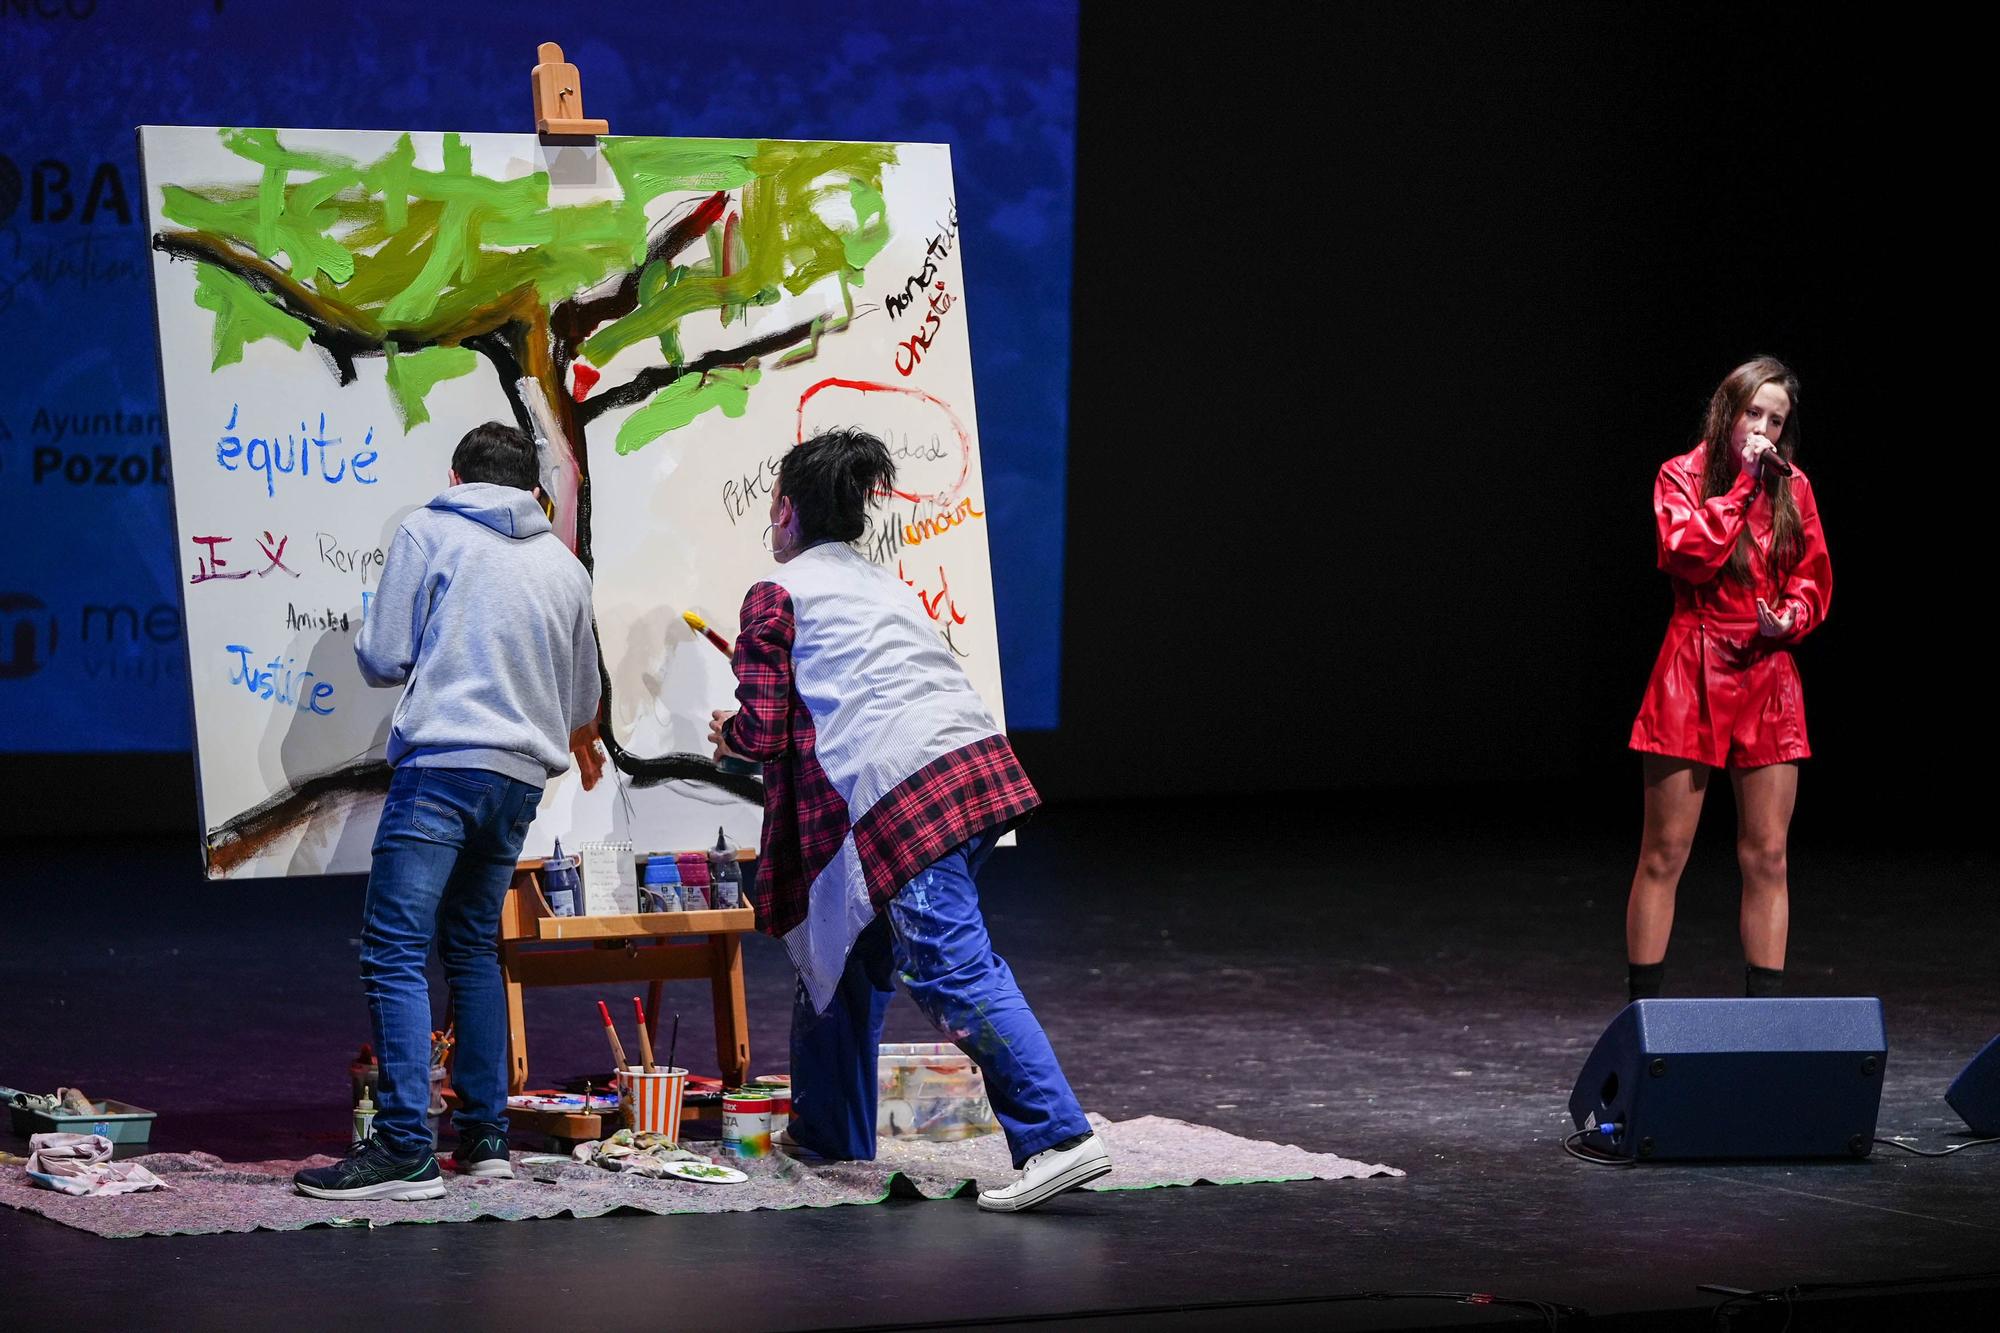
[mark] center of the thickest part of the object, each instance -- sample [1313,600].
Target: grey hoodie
[486,615]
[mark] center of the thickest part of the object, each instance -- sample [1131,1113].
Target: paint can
[780,1088]
[746,1123]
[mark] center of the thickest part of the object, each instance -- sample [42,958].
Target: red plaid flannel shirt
[972,789]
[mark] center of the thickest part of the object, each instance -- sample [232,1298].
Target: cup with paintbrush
[651,1095]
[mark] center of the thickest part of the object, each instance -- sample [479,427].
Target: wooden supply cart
[538,948]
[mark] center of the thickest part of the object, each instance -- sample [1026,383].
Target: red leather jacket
[1718,680]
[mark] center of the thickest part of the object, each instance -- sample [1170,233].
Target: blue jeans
[934,938]
[444,856]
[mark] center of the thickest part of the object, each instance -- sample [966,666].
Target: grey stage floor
[1407,982]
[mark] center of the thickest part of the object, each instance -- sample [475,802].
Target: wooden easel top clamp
[559,98]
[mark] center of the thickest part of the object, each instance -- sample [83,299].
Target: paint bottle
[725,877]
[364,1118]
[694,881]
[661,891]
[560,883]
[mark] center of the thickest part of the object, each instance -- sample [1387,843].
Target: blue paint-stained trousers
[933,936]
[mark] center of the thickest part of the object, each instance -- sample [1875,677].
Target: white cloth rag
[81,1164]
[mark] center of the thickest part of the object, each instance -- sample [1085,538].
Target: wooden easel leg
[732,1016]
[517,1022]
[653,1014]
[516,924]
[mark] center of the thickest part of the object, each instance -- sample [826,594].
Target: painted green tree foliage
[437,270]
[433,268]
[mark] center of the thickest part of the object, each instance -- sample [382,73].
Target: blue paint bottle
[661,889]
[560,883]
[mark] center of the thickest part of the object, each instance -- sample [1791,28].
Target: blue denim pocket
[446,803]
[436,822]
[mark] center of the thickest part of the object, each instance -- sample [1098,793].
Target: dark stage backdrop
[1382,325]
[1369,502]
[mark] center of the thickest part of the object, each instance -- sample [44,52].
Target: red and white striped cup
[651,1103]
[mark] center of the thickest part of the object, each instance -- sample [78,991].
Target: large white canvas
[676,523]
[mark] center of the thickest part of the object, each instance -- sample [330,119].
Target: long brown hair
[1730,398]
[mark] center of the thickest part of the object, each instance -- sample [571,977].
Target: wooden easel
[559,97]
[538,948]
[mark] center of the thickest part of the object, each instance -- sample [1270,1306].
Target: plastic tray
[114,1120]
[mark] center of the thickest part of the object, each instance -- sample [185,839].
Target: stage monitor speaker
[1680,1080]
[1975,1093]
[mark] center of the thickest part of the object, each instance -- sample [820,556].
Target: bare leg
[1674,792]
[1764,801]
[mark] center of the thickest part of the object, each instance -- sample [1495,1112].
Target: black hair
[831,478]
[503,455]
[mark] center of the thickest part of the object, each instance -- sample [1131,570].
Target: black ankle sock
[1761,983]
[1644,980]
[1074,1140]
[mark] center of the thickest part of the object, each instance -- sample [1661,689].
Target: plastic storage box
[930,1090]
[128,1127]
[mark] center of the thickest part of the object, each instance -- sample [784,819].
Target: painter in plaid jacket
[879,757]
[886,780]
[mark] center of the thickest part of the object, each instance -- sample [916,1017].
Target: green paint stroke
[412,375]
[684,400]
[871,232]
[787,242]
[397,255]
[242,315]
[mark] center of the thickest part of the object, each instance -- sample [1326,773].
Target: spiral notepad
[610,879]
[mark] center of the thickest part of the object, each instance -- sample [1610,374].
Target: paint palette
[706,1173]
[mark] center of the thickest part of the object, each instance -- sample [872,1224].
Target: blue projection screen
[92,656]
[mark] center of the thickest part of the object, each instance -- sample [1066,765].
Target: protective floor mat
[208,1195]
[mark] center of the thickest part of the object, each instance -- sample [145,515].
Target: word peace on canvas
[310,456]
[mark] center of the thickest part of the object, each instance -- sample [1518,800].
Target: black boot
[1644,980]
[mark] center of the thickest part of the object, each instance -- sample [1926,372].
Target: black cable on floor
[1787,1295]
[1595,1159]
[1718,1317]
[1939,1152]
[1552,1313]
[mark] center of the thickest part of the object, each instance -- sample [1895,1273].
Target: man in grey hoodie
[484,617]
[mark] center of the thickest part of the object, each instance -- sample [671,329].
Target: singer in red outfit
[1739,535]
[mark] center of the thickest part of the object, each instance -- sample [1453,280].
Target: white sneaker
[1048,1174]
[791,1147]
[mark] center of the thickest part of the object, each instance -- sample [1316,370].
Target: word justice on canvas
[310,456]
[278,683]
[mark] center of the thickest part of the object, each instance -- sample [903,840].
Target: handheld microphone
[1775,460]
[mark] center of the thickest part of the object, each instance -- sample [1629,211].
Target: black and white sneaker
[482,1152]
[371,1171]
